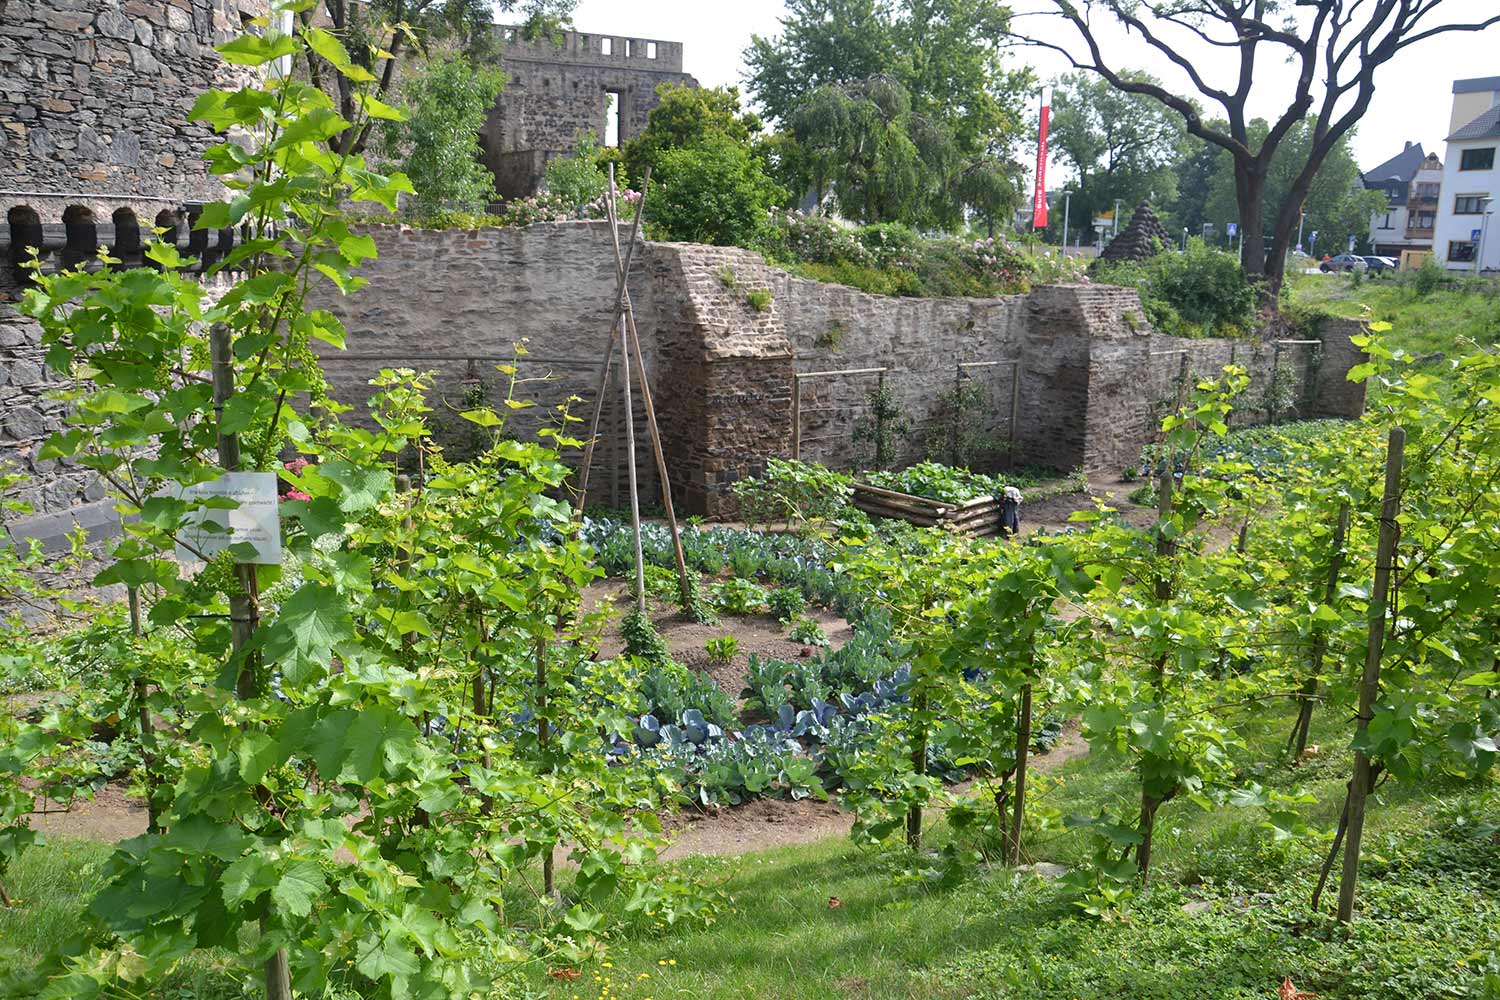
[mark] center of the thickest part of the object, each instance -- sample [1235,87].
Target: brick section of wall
[1335,395]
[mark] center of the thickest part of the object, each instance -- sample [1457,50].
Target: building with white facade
[1411,182]
[1466,238]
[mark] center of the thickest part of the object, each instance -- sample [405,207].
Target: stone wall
[94,96]
[1093,377]
[557,91]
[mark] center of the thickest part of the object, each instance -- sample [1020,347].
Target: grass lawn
[1423,324]
[1429,925]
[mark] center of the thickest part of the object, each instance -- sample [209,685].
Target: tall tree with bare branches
[1335,47]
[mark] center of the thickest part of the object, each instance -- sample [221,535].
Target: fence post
[1015,409]
[796,417]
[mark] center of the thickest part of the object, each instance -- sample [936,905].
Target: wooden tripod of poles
[622,325]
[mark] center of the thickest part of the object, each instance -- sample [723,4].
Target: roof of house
[1486,126]
[1402,167]
[1478,85]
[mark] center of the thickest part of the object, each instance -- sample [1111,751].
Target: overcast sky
[1413,94]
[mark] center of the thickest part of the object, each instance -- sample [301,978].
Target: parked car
[1344,262]
[1378,264]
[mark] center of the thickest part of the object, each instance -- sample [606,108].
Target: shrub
[1201,292]
[795,492]
[713,192]
[577,179]
[759,299]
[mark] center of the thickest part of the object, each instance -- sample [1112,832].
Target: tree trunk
[1023,747]
[1320,637]
[1249,196]
[1147,830]
[919,766]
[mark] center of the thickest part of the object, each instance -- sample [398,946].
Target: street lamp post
[1067,209]
[1184,238]
[1301,221]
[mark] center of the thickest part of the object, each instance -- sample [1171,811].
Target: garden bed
[979,517]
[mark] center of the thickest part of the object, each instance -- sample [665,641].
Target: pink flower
[296,465]
[295,495]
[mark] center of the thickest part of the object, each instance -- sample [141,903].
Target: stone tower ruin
[561,88]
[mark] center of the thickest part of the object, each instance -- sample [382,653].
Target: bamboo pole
[684,584]
[1015,412]
[609,350]
[244,604]
[1369,687]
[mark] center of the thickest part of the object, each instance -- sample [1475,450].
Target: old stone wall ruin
[560,88]
[1092,377]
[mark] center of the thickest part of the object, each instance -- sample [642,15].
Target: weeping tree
[1334,47]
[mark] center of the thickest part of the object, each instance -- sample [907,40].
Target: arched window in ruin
[168,222]
[127,244]
[81,241]
[25,232]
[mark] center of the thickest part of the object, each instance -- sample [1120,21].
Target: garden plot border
[979,517]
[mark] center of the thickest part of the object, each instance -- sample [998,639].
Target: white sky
[1412,101]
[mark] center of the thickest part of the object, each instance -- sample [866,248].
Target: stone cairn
[1143,239]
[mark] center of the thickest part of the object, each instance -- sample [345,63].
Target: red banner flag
[1039,202]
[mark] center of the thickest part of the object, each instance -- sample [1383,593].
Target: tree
[380,34]
[712,192]
[1336,47]
[577,179]
[686,116]
[1122,147]
[447,101]
[890,80]
[1336,204]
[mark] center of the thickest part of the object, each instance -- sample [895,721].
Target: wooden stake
[244,605]
[1023,748]
[1015,410]
[796,417]
[1369,687]
[142,690]
[684,584]
[609,350]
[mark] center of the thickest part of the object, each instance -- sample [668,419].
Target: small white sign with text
[254,522]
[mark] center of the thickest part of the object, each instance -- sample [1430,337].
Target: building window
[1427,190]
[607,46]
[1460,252]
[1477,159]
[650,50]
[630,48]
[1422,220]
[1469,204]
[1386,223]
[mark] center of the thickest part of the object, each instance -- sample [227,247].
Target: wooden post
[1182,380]
[244,605]
[630,477]
[1015,410]
[1275,379]
[1369,687]
[796,417]
[543,737]
[609,350]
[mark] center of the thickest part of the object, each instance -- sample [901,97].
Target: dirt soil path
[764,824]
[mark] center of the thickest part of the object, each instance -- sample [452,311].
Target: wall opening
[25,232]
[650,50]
[629,48]
[612,102]
[607,46]
[127,234]
[82,235]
